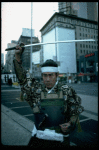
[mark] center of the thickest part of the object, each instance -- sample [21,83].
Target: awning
[81,74]
[90,74]
[86,74]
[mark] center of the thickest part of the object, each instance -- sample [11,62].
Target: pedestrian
[55,107]
[10,81]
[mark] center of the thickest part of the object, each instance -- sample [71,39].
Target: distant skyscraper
[27,32]
[92,11]
[2,58]
[26,54]
[86,10]
[10,56]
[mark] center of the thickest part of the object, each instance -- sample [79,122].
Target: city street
[62,45]
[86,88]
[88,119]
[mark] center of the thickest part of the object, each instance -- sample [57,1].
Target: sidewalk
[15,129]
[90,104]
[10,86]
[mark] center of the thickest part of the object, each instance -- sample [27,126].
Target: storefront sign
[62,75]
[88,55]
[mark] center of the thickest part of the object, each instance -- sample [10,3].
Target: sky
[17,15]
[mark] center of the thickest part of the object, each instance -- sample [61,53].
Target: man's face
[49,79]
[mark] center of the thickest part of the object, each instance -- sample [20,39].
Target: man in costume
[55,107]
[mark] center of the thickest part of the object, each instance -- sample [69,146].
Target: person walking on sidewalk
[55,107]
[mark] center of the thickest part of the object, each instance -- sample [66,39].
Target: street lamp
[31,40]
[10,71]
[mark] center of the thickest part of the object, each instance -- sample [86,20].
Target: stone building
[88,67]
[83,29]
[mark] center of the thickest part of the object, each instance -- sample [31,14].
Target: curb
[23,121]
[15,129]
